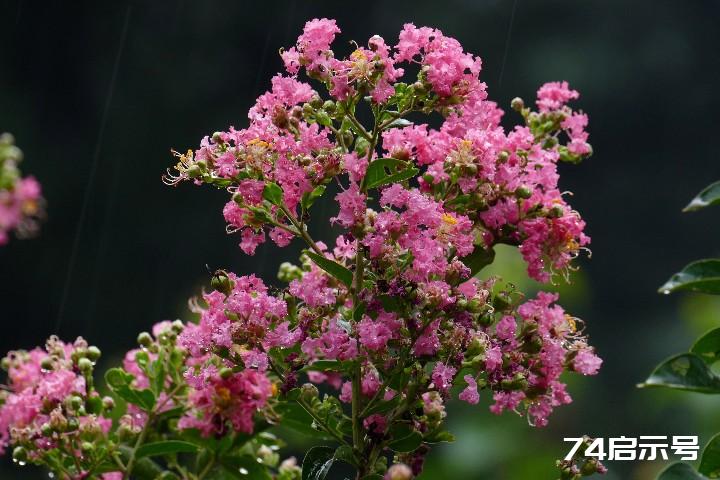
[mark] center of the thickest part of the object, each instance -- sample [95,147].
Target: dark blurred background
[97,93]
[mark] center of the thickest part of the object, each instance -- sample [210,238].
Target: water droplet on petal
[243,471]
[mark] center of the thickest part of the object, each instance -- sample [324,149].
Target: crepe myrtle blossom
[396,319]
[21,202]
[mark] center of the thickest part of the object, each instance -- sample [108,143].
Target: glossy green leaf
[317,463]
[273,193]
[400,123]
[345,454]
[686,371]
[296,418]
[244,467]
[388,170]
[309,198]
[710,460]
[404,438]
[119,382]
[164,448]
[333,268]
[439,436]
[702,276]
[680,471]
[708,346]
[145,468]
[710,195]
[478,259]
[384,405]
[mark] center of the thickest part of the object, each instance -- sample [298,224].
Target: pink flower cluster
[393,313]
[45,405]
[21,202]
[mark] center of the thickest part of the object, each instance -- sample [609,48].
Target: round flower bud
[217,137]
[72,424]
[523,191]
[108,403]
[46,364]
[398,471]
[517,104]
[316,101]
[178,326]
[226,373]
[221,282]
[144,339]
[329,106]
[20,455]
[5,365]
[87,447]
[46,429]
[309,392]
[556,211]
[85,365]
[93,353]
[74,402]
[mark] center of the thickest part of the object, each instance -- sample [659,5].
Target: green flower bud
[221,282]
[108,403]
[556,211]
[316,101]
[523,191]
[20,455]
[226,373]
[502,301]
[93,353]
[329,106]
[85,365]
[46,364]
[87,447]
[178,326]
[309,392]
[144,339]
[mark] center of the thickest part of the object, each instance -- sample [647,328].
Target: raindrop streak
[507,42]
[93,171]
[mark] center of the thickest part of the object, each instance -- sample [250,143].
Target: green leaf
[478,259]
[708,346]
[317,463]
[323,118]
[384,406]
[710,461]
[680,471]
[686,371]
[273,193]
[387,170]
[400,123]
[327,365]
[390,303]
[164,448]
[439,436]
[710,195]
[405,438]
[333,268]
[344,453]
[702,276]
[309,198]
[119,382]
[244,467]
[296,418]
